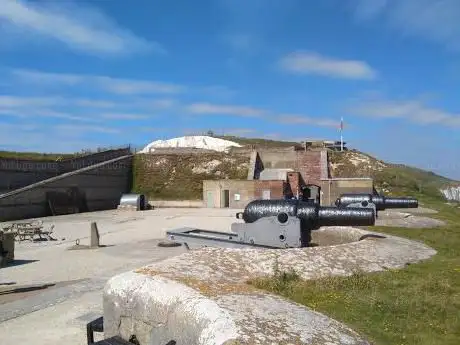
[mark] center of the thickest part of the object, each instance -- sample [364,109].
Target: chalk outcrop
[451,193]
[195,141]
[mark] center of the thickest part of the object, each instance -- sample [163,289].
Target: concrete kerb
[201,297]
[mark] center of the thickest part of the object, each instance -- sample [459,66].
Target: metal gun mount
[274,224]
[282,231]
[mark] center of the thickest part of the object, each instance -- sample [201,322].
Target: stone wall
[241,192]
[99,188]
[18,173]
[72,164]
[310,164]
[331,189]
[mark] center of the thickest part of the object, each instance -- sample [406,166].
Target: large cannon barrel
[381,202]
[312,216]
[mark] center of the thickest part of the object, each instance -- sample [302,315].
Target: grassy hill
[259,142]
[391,179]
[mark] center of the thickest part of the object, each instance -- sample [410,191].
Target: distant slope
[37,156]
[260,142]
[395,179]
[391,179]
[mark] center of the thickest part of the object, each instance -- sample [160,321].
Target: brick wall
[308,163]
[294,183]
[277,189]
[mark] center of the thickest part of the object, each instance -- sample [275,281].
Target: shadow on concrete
[26,289]
[20,262]
[86,247]
[42,239]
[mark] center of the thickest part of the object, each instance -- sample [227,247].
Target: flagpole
[341,133]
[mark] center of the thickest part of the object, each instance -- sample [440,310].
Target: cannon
[376,202]
[275,224]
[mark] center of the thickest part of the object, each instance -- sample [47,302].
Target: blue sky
[84,74]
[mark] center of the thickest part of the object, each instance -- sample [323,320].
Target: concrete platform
[201,297]
[59,314]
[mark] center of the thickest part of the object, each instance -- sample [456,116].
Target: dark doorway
[311,193]
[142,205]
[226,198]
[69,201]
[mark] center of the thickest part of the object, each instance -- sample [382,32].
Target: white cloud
[125,116]
[15,101]
[81,28]
[87,128]
[365,9]
[292,119]
[435,20]
[243,42]
[108,84]
[27,136]
[208,108]
[162,103]
[239,131]
[78,109]
[94,103]
[22,112]
[412,110]
[302,62]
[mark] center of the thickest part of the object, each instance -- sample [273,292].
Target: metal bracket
[365,204]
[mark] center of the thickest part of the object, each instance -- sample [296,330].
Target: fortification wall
[18,173]
[100,186]
[308,163]
[71,164]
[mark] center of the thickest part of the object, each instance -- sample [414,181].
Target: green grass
[175,179]
[259,142]
[41,156]
[35,155]
[418,305]
[398,179]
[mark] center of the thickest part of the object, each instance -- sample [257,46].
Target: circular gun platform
[206,289]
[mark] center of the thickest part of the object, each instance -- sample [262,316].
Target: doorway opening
[311,193]
[226,198]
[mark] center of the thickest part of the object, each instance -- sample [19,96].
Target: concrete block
[158,310]
[94,235]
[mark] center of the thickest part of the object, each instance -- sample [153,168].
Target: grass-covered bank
[418,305]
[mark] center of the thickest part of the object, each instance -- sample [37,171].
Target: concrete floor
[59,314]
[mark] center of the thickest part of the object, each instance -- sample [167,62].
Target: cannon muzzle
[401,203]
[333,216]
[312,216]
[381,202]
